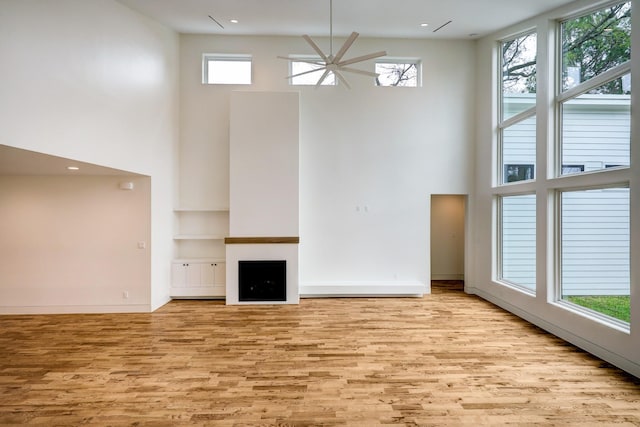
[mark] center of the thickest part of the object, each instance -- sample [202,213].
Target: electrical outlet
[125,294]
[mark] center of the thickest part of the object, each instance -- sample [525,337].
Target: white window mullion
[594,82]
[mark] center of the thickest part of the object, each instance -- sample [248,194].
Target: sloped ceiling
[371,18]
[16,161]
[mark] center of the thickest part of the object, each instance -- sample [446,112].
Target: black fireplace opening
[262,280]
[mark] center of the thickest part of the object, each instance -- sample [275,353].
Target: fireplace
[264,198]
[262,280]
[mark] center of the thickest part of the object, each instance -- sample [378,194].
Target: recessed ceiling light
[233,21]
[424,24]
[73,168]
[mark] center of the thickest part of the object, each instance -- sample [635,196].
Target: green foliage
[519,64]
[591,45]
[597,42]
[616,306]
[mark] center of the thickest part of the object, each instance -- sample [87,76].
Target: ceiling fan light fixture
[335,64]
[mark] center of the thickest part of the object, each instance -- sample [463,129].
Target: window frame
[520,117]
[305,59]
[225,57]
[400,60]
[499,264]
[557,298]
[557,183]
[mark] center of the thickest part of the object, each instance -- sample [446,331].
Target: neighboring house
[594,255]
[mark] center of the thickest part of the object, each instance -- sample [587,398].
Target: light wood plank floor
[445,359]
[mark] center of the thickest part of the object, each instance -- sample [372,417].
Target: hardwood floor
[445,359]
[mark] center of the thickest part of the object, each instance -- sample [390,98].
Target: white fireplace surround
[264,188]
[262,252]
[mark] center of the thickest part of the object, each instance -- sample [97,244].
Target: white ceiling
[371,18]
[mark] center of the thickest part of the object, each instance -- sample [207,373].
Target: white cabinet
[202,278]
[186,274]
[199,268]
[213,274]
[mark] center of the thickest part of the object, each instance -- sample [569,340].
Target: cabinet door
[178,275]
[194,275]
[208,273]
[220,273]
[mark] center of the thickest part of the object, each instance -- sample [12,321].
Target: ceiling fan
[335,64]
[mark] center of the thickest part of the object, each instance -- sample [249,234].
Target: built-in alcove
[447,236]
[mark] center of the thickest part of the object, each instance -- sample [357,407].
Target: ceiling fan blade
[324,76]
[342,79]
[316,48]
[362,58]
[305,72]
[354,70]
[347,44]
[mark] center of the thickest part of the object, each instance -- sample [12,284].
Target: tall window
[589,145]
[518,240]
[595,259]
[518,106]
[595,72]
[594,102]
[516,264]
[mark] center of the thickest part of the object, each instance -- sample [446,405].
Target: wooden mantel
[261,240]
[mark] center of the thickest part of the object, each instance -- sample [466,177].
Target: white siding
[595,242]
[519,240]
[595,224]
[596,131]
[519,145]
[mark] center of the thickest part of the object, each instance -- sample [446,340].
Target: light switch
[142,245]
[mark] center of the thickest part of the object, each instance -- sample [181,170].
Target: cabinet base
[217,292]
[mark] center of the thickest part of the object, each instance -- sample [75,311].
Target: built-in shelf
[199,258]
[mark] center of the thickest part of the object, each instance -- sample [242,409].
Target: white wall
[264,164]
[369,158]
[613,344]
[70,244]
[94,81]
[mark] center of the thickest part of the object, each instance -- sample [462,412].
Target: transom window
[398,72]
[226,69]
[306,71]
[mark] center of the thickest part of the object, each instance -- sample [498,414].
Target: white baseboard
[363,289]
[76,309]
[615,359]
